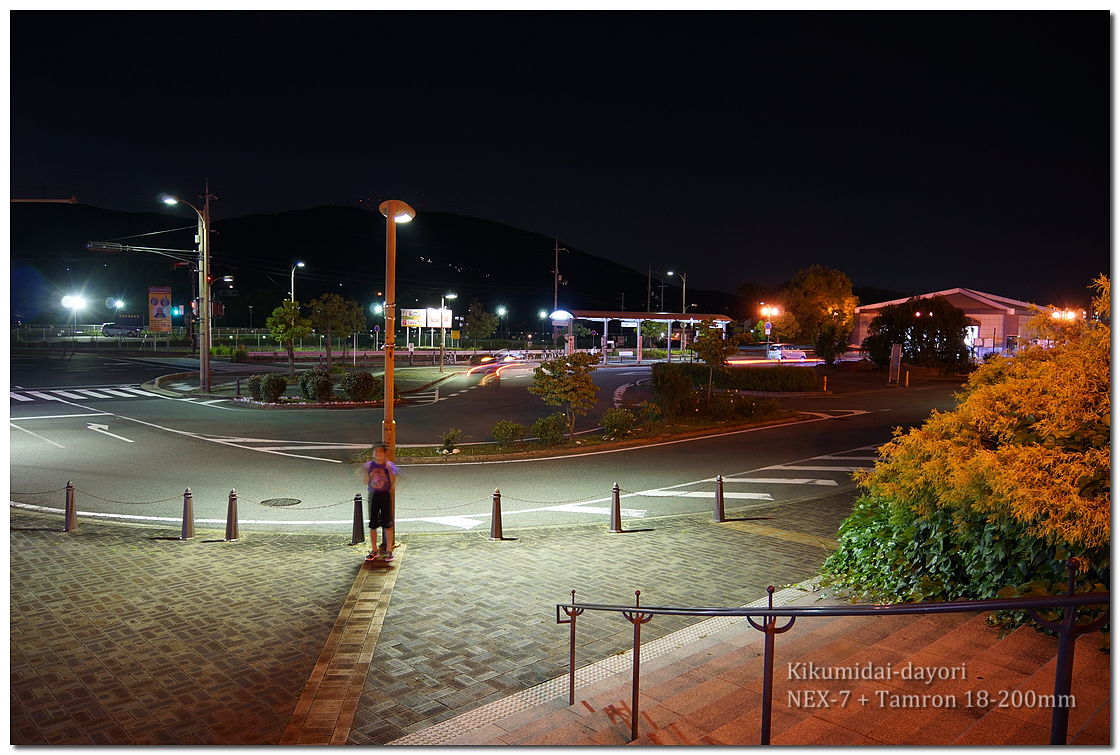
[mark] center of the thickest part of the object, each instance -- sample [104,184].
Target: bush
[361,386]
[779,378]
[552,429]
[505,431]
[241,355]
[316,384]
[671,387]
[450,439]
[618,421]
[255,386]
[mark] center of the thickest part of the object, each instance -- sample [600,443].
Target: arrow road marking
[104,430]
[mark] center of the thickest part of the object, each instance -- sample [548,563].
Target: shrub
[450,439]
[618,421]
[273,386]
[241,355]
[778,378]
[505,431]
[360,385]
[552,429]
[255,387]
[671,387]
[316,384]
[649,413]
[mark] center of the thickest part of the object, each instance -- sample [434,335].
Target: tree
[714,349]
[331,314]
[479,323]
[987,497]
[831,342]
[566,382]
[819,296]
[931,332]
[286,324]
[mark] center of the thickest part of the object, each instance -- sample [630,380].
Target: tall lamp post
[442,329]
[74,303]
[768,312]
[203,288]
[501,319]
[292,285]
[684,288]
[395,211]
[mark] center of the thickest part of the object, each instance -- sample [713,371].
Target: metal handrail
[1067,630]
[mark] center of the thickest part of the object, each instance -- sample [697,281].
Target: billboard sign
[159,309]
[435,321]
[413,318]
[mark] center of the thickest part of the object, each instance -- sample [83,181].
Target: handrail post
[1063,671]
[231,517]
[71,513]
[188,516]
[359,532]
[616,509]
[719,514]
[496,516]
[637,619]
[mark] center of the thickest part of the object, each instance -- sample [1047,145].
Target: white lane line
[141,392]
[120,394]
[40,437]
[177,519]
[212,401]
[66,416]
[796,468]
[779,481]
[44,396]
[67,394]
[848,458]
[18,397]
[92,394]
[703,494]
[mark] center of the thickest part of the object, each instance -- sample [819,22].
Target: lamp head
[452,296]
[168,199]
[397,210]
[300,264]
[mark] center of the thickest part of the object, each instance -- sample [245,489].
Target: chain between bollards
[359,535]
[616,510]
[719,514]
[71,514]
[496,516]
[188,516]
[231,517]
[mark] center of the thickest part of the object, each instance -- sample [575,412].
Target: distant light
[300,264]
[73,302]
[118,304]
[376,308]
[542,314]
[227,278]
[452,296]
[501,311]
[561,315]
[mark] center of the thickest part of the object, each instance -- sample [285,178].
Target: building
[995,322]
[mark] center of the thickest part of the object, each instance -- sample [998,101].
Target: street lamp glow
[168,199]
[501,311]
[118,304]
[74,302]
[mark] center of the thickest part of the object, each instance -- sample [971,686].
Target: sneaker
[387,556]
[373,556]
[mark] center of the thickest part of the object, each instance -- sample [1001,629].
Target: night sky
[915,151]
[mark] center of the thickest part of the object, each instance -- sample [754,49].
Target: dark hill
[344,250]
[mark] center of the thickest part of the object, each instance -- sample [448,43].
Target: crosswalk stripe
[18,397]
[780,481]
[848,458]
[798,468]
[140,392]
[122,394]
[93,394]
[68,394]
[44,396]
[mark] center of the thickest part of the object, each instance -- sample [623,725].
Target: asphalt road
[132,455]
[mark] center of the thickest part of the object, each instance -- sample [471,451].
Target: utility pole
[556,279]
[649,286]
[623,307]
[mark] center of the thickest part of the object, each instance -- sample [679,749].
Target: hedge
[778,379]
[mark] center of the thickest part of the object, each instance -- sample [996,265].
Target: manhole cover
[280,502]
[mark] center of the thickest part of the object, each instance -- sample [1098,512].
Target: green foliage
[931,332]
[832,341]
[505,431]
[450,439]
[479,323]
[332,315]
[566,382]
[777,378]
[287,325]
[551,430]
[713,349]
[889,553]
[649,413]
[241,354]
[255,386]
[267,388]
[360,385]
[316,384]
[618,422]
[817,297]
[671,387]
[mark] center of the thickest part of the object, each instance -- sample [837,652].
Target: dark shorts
[380,513]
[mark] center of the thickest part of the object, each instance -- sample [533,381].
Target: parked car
[114,329]
[505,355]
[784,351]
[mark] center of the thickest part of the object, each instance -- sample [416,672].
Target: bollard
[719,499]
[825,388]
[359,535]
[188,516]
[616,510]
[239,386]
[907,383]
[71,514]
[496,516]
[231,517]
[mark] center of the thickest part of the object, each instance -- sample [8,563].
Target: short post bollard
[906,384]
[825,387]
[239,386]
[231,517]
[188,516]
[496,516]
[359,535]
[719,515]
[71,513]
[616,510]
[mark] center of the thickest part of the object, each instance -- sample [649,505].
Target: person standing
[381,479]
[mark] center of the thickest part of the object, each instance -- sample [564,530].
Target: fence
[1067,630]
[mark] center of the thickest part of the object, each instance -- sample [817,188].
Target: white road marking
[797,468]
[40,437]
[104,430]
[68,394]
[44,396]
[92,394]
[115,392]
[847,458]
[66,416]
[778,481]
[18,397]
[704,494]
[141,392]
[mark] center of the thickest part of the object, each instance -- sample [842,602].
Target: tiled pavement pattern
[472,620]
[125,635]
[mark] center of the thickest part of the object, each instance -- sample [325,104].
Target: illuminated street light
[443,330]
[292,287]
[684,287]
[74,303]
[501,318]
[118,304]
[203,288]
[769,312]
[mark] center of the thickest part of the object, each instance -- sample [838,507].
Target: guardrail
[1067,630]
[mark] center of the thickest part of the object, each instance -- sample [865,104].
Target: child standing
[381,478]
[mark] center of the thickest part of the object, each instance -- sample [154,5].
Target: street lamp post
[74,303]
[443,330]
[768,312]
[501,320]
[203,288]
[292,285]
[684,307]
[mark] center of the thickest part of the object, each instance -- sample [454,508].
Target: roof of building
[595,314]
[965,299]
